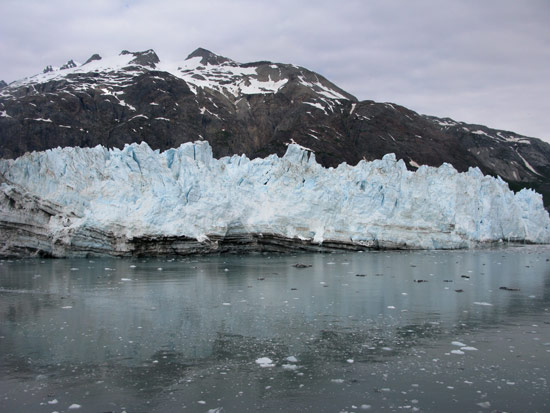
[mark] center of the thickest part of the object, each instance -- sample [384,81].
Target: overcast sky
[484,62]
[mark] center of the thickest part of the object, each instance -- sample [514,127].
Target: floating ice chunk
[292,359]
[338,381]
[67,307]
[457,352]
[485,405]
[74,406]
[54,401]
[483,303]
[350,361]
[265,362]
[458,344]
[290,367]
[125,279]
[468,348]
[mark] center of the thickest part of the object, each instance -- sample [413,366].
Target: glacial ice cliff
[137,201]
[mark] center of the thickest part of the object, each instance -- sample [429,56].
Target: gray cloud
[481,62]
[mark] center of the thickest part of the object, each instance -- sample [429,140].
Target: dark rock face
[255,108]
[207,57]
[3,84]
[69,65]
[92,58]
[147,58]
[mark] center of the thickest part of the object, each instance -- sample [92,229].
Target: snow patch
[137,117]
[527,165]
[480,132]
[445,123]
[316,105]
[40,120]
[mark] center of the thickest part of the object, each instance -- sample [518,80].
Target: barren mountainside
[255,108]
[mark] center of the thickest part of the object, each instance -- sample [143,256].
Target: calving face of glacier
[77,201]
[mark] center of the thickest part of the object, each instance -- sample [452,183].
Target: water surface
[379,331]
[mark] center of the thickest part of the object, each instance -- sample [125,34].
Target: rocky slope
[254,108]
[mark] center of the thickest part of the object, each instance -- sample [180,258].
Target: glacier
[139,201]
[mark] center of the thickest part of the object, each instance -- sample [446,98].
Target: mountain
[256,108]
[136,201]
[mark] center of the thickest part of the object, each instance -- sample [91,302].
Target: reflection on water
[413,331]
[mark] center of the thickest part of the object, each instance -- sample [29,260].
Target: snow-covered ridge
[137,192]
[499,136]
[228,77]
[224,75]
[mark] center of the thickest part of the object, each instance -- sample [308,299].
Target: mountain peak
[69,65]
[207,57]
[145,58]
[93,57]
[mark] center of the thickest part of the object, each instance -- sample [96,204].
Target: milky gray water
[373,331]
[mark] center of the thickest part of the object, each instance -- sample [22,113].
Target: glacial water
[436,331]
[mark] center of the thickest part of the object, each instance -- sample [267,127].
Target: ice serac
[138,201]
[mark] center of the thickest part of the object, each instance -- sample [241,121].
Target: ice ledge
[107,201]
